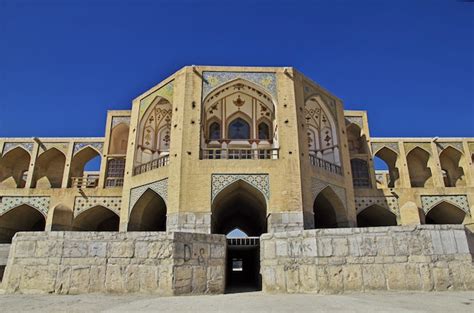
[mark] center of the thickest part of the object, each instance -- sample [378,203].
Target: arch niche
[62,218]
[119,139]
[445,213]
[451,159]
[79,161]
[49,169]
[328,209]
[14,167]
[418,168]
[21,218]
[98,218]
[148,213]
[376,215]
[390,157]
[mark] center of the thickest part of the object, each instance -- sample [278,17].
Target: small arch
[239,205]
[445,213]
[21,218]
[328,209]
[13,166]
[119,139]
[214,131]
[264,130]
[357,142]
[418,169]
[239,127]
[98,218]
[450,161]
[82,159]
[376,215]
[389,157]
[148,213]
[49,169]
[62,218]
[360,173]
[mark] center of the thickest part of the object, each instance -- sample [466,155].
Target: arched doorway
[21,218]
[80,175]
[418,168]
[62,218]
[49,169]
[376,215]
[14,168]
[97,218]
[148,213]
[329,211]
[445,213]
[241,207]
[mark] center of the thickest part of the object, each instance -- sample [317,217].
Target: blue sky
[410,64]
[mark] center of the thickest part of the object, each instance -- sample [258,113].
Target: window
[263,131]
[215,131]
[239,129]
[360,173]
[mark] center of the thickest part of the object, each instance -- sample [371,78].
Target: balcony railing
[113,182]
[239,154]
[326,165]
[159,162]
[91,181]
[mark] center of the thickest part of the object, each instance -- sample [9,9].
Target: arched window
[239,129]
[215,131]
[263,131]
[360,173]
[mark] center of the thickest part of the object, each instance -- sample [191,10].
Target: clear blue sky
[64,63]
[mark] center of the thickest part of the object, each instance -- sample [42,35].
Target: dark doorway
[243,265]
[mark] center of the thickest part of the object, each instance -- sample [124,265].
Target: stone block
[38,279]
[442,281]
[75,249]
[307,278]
[63,280]
[426,278]
[461,241]
[340,247]
[281,248]
[374,277]
[114,279]
[97,278]
[268,250]
[98,249]
[80,279]
[24,248]
[292,280]
[335,279]
[352,278]
[448,242]
[325,247]
[48,248]
[395,275]
[121,249]
[385,246]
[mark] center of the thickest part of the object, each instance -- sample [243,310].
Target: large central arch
[21,218]
[148,213]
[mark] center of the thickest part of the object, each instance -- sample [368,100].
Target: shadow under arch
[13,166]
[376,215]
[148,213]
[119,139]
[49,169]
[97,218]
[79,161]
[242,206]
[445,213]
[418,162]
[329,210]
[21,218]
[62,218]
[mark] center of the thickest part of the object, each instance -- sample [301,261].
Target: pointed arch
[119,139]
[21,218]
[376,215]
[49,169]
[239,127]
[148,213]
[98,218]
[418,168]
[445,213]
[356,140]
[62,218]
[79,161]
[329,210]
[14,168]
[239,205]
[450,161]
[390,158]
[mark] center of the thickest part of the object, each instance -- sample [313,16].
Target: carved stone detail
[259,181]
[82,204]
[120,119]
[318,185]
[376,146]
[412,145]
[160,187]
[429,202]
[443,145]
[358,120]
[390,203]
[39,203]
[28,146]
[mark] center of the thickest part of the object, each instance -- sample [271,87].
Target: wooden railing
[326,165]
[159,162]
[239,154]
[91,181]
[113,182]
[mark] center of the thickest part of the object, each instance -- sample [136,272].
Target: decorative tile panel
[443,145]
[390,203]
[96,145]
[165,92]
[61,146]
[460,201]
[412,145]
[82,204]
[309,91]
[8,146]
[160,187]
[376,146]
[39,203]
[357,120]
[318,185]
[120,119]
[221,181]
[212,80]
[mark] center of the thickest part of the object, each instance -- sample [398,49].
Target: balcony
[156,163]
[111,182]
[326,165]
[90,181]
[239,154]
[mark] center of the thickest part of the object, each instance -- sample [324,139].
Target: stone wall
[112,262]
[426,257]
[4,250]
